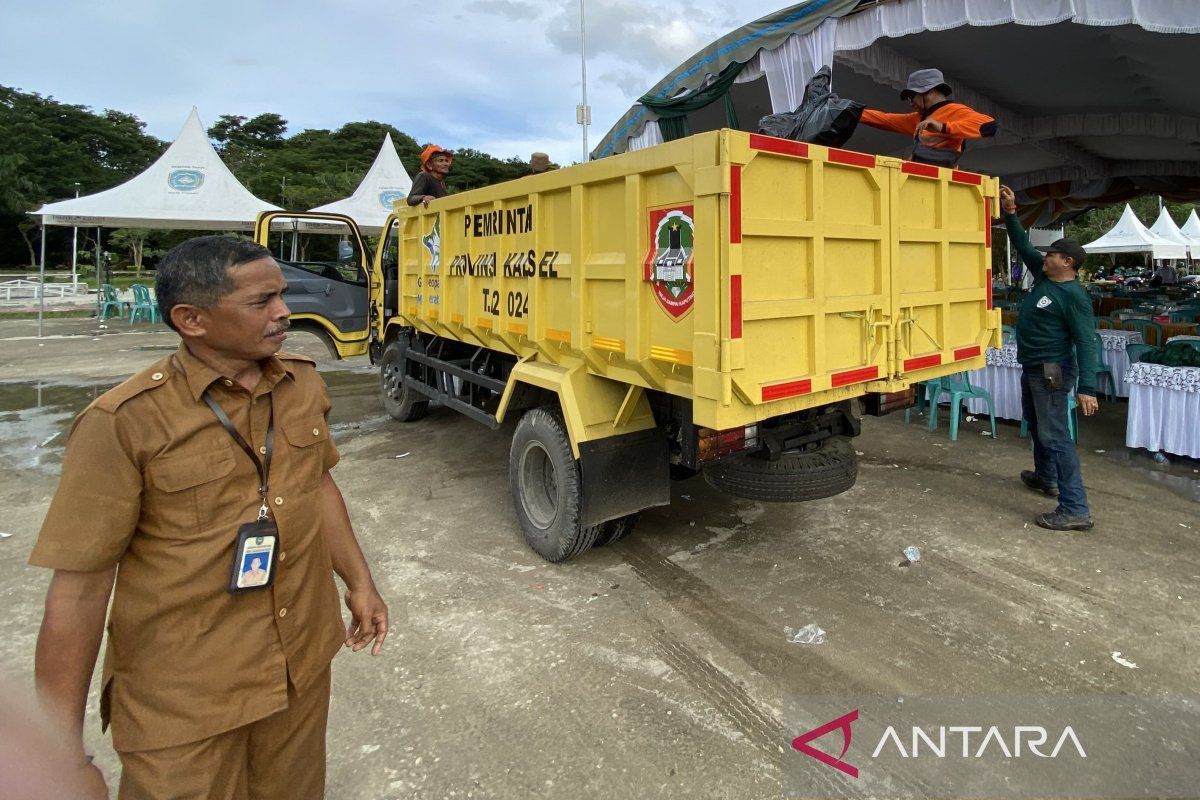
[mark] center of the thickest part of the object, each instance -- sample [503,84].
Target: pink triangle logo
[842,723]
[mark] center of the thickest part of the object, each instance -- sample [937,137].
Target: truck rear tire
[830,469]
[546,486]
[400,401]
[615,530]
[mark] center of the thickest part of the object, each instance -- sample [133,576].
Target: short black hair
[196,272]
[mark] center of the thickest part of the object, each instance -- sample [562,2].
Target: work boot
[1030,479]
[1057,521]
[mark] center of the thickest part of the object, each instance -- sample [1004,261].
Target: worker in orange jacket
[938,126]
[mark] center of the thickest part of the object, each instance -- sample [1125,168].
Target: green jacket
[1054,316]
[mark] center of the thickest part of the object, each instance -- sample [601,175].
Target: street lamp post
[583,113]
[74,247]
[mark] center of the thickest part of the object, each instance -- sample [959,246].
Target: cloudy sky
[501,76]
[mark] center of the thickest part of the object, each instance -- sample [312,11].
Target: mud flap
[623,475]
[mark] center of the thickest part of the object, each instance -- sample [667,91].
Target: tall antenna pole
[583,114]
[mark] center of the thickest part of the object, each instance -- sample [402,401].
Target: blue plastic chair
[959,388]
[1145,326]
[143,304]
[111,302]
[1103,369]
[1135,351]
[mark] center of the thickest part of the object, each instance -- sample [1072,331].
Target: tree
[133,240]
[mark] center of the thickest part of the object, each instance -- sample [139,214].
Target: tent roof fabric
[1099,117]
[1191,228]
[1129,235]
[187,188]
[385,182]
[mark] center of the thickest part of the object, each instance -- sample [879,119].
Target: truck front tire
[400,401]
[830,469]
[546,486]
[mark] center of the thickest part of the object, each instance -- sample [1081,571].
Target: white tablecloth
[1002,378]
[1114,357]
[1164,409]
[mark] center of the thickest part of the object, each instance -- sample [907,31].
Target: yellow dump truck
[722,304]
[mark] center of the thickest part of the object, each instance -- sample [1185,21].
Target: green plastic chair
[143,304]
[1104,369]
[1135,351]
[922,391]
[1104,323]
[1144,326]
[1186,315]
[111,302]
[1007,334]
[959,387]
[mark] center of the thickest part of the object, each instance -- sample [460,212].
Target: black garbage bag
[822,118]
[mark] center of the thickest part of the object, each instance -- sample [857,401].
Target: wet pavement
[659,667]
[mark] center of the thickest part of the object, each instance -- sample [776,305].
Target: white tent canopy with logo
[1129,235]
[188,188]
[1165,227]
[385,182]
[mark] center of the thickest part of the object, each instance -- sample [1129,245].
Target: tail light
[715,444]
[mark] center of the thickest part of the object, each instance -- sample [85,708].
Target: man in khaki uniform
[156,492]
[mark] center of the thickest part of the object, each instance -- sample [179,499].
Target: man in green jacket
[1056,345]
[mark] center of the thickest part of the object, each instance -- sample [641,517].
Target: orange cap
[432,150]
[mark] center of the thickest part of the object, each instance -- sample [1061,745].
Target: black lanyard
[264,466]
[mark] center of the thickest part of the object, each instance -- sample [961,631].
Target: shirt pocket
[189,492]
[306,437]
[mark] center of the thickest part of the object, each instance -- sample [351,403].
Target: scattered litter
[4,535]
[540,586]
[1116,656]
[402,455]
[614,586]
[1185,526]
[686,496]
[985,433]
[95,338]
[1161,458]
[369,748]
[691,524]
[1099,451]
[970,418]
[912,553]
[809,634]
[860,452]
[49,439]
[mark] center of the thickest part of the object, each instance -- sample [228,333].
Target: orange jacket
[962,122]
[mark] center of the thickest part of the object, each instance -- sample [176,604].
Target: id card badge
[254,557]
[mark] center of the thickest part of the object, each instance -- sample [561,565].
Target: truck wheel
[615,530]
[830,469]
[399,400]
[544,478]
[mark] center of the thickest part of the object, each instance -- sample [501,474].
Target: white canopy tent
[1165,227]
[1129,235]
[1191,229]
[385,182]
[187,188]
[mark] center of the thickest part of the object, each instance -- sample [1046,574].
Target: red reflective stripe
[923,362]
[854,376]
[966,177]
[782,146]
[735,306]
[924,170]
[782,390]
[735,204]
[966,352]
[853,159]
[989,289]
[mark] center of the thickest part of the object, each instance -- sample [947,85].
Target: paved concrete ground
[658,667]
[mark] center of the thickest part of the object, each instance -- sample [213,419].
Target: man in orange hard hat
[430,183]
[939,126]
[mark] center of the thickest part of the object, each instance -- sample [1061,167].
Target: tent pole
[98,307]
[42,281]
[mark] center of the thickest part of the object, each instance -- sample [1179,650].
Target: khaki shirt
[153,483]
